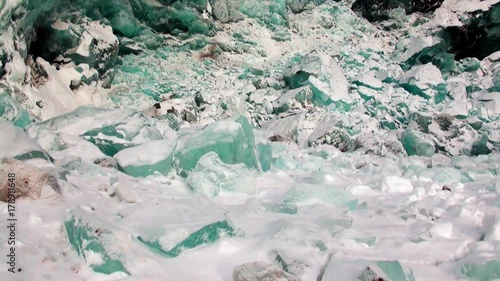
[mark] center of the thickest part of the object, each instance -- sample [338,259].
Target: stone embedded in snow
[232,139]
[17,144]
[423,80]
[28,182]
[415,143]
[395,184]
[225,10]
[322,74]
[260,271]
[143,160]
[298,6]
[211,177]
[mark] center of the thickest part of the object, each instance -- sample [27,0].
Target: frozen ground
[370,167]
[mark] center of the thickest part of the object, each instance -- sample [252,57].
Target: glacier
[241,140]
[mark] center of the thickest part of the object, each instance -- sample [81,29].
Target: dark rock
[444,121]
[260,271]
[298,6]
[378,10]
[278,138]
[75,84]
[479,38]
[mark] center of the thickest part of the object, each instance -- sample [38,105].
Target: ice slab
[17,144]
[415,143]
[111,130]
[93,241]
[487,271]
[395,184]
[307,194]
[423,80]
[232,139]
[322,74]
[11,111]
[211,177]
[143,160]
[186,224]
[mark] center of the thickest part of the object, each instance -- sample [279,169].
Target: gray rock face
[21,180]
[376,10]
[226,10]
[298,6]
[260,271]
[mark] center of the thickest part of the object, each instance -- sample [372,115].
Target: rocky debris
[378,10]
[478,37]
[260,271]
[23,180]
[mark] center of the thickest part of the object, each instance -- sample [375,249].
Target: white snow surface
[146,154]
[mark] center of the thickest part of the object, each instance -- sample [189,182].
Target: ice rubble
[233,140]
[287,139]
[213,177]
[322,74]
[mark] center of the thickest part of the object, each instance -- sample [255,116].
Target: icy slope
[249,140]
